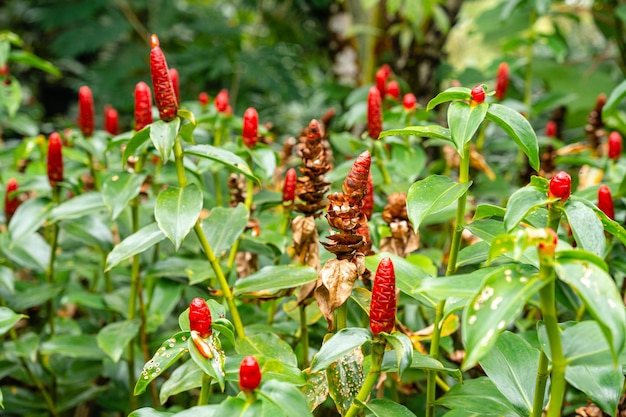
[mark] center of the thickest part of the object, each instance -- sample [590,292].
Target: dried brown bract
[403,239]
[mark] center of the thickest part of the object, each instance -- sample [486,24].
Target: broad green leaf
[614,100]
[224,226]
[82,346]
[342,343]
[90,230]
[344,378]
[136,142]
[144,238]
[32,294]
[478,395]
[268,345]
[272,278]
[231,407]
[461,286]
[432,131]
[26,346]
[176,211]
[381,407]
[430,195]
[265,158]
[408,275]
[275,369]
[404,349]
[163,135]
[32,252]
[586,227]
[213,366]
[83,205]
[119,190]
[28,218]
[7,279]
[518,128]
[149,412]
[484,211]
[602,384]
[512,367]
[164,297]
[601,297]
[452,93]
[610,226]
[115,337]
[521,203]
[223,157]
[501,299]
[473,254]
[464,120]
[184,378]
[8,318]
[170,351]
[286,397]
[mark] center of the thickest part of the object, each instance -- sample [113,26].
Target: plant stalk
[205,391]
[304,336]
[378,349]
[540,385]
[341,317]
[378,151]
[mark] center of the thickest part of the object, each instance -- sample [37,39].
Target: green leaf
[512,367]
[518,128]
[500,300]
[478,395]
[452,93]
[387,408]
[286,397]
[119,190]
[484,211]
[29,295]
[614,100]
[149,412]
[223,157]
[213,366]
[408,275]
[7,279]
[8,318]
[11,96]
[144,238]
[176,211]
[272,278]
[90,230]
[163,135]
[135,142]
[473,254]
[430,195]
[432,131]
[170,351]
[184,378]
[79,206]
[115,337]
[31,60]
[464,120]
[602,384]
[28,218]
[459,286]
[522,202]
[601,297]
[264,158]
[586,227]
[610,226]
[343,342]
[82,346]
[404,349]
[344,379]
[268,345]
[223,227]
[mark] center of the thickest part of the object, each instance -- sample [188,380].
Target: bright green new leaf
[184,378]
[136,142]
[176,211]
[452,93]
[464,120]
[163,135]
[408,276]
[268,345]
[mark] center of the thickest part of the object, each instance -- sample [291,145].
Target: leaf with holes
[345,377]
[170,351]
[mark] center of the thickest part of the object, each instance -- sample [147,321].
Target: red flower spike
[315,131]
[55,159]
[11,200]
[605,201]
[201,345]
[164,94]
[249,374]
[381,81]
[615,145]
[368,200]
[356,180]
[502,80]
[110,120]
[175,83]
[203,98]
[393,90]
[86,121]
[409,102]
[385,68]
[560,186]
[551,129]
[143,106]
[250,127]
[221,101]
[289,188]
[374,113]
[383,305]
[200,317]
[478,94]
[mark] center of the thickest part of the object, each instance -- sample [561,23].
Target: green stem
[217,184]
[304,336]
[431,381]
[248,204]
[378,151]
[378,349]
[540,385]
[54,244]
[205,391]
[284,225]
[480,140]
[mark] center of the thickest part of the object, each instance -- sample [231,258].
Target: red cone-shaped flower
[478,94]
[615,145]
[368,200]
[55,159]
[250,127]
[143,106]
[383,305]
[200,317]
[502,80]
[381,81]
[289,188]
[175,83]
[203,98]
[249,374]
[221,101]
[393,90]
[164,94]
[605,201]
[356,180]
[551,129]
[560,186]
[86,117]
[110,120]
[374,113]
[409,102]
[11,200]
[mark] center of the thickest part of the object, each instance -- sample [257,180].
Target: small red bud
[250,127]
[383,305]
[200,317]
[11,200]
[551,129]
[221,101]
[55,159]
[368,200]
[374,113]
[615,145]
[315,131]
[356,180]
[143,106]
[289,188]
[478,94]
[502,80]
[605,201]
[381,81]
[86,116]
[249,374]
[175,83]
[164,94]
[409,102]
[393,90]
[203,98]
[560,186]
[110,120]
